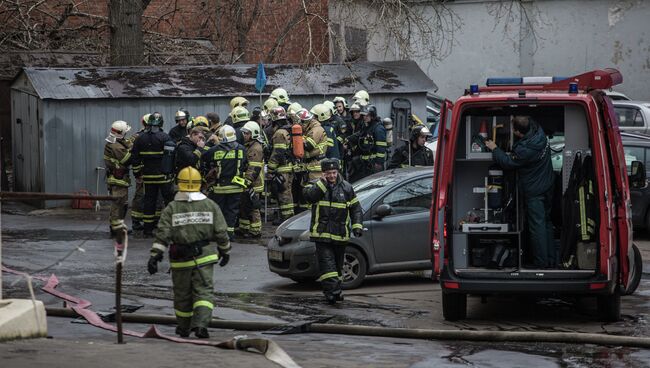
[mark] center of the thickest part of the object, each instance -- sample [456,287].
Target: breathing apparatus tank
[388,125]
[167,162]
[297,141]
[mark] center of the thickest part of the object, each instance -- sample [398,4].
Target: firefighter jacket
[177,133]
[255,158]
[116,157]
[187,226]
[187,154]
[531,156]
[147,151]
[225,165]
[335,210]
[332,142]
[372,143]
[281,159]
[315,144]
[136,167]
[421,156]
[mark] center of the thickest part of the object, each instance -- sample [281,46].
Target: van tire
[609,307]
[637,272]
[454,306]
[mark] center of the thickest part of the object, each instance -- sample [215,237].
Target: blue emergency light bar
[520,81]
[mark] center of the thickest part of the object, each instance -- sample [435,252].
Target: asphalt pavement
[246,290]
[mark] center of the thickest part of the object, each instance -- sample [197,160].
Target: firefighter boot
[182,332]
[201,332]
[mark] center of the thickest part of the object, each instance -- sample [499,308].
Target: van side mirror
[382,211]
[637,176]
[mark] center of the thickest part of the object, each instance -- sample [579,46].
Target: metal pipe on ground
[52,196]
[406,333]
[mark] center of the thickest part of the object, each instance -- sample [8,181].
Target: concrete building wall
[569,37]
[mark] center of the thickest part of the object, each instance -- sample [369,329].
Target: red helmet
[278,113]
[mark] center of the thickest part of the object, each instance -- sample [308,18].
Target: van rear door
[623,210]
[440,187]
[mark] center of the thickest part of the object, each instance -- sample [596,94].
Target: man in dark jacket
[190,149]
[179,131]
[335,208]
[415,153]
[531,157]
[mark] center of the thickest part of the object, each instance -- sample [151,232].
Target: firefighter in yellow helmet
[116,157]
[238,101]
[315,144]
[239,116]
[281,95]
[280,167]
[225,165]
[187,226]
[269,104]
[250,220]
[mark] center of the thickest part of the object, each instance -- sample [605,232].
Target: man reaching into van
[531,157]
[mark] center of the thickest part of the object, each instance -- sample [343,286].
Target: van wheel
[454,306]
[609,307]
[637,272]
[354,268]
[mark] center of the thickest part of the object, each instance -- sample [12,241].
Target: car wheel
[636,272]
[454,306]
[609,307]
[354,268]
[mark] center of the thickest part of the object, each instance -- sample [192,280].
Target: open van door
[623,211]
[440,187]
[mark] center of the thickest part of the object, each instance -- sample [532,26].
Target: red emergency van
[479,232]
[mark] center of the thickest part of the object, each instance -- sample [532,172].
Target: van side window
[411,197]
[633,153]
[629,116]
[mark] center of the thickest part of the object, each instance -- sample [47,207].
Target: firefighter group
[206,180]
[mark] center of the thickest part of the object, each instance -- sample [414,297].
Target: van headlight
[304,236]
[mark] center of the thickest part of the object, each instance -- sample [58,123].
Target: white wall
[572,36]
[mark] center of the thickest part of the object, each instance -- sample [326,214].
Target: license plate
[275,255]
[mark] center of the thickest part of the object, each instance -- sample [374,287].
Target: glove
[152,265]
[224,259]
[357,232]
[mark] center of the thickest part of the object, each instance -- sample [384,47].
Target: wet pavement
[246,290]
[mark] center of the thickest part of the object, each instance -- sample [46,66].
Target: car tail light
[451,285]
[597,285]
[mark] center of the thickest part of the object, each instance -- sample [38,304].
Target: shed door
[26,142]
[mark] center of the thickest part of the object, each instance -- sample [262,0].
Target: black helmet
[155,119]
[372,111]
[419,130]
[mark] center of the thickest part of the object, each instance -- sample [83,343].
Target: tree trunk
[125,21]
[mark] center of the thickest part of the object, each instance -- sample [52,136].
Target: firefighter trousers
[229,205]
[330,263]
[250,220]
[193,296]
[150,201]
[285,196]
[118,207]
[137,206]
[540,228]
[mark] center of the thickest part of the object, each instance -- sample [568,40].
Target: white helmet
[330,105]
[227,134]
[252,128]
[119,129]
[362,98]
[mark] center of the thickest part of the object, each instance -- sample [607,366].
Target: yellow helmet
[145,119]
[280,95]
[189,180]
[321,112]
[200,121]
[294,108]
[238,101]
[362,98]
[270,104]
[239,114]
[330,105]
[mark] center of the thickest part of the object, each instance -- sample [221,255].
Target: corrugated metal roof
[226,80]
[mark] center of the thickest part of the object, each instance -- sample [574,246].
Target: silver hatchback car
[395,206]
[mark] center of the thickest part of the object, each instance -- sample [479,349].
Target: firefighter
[324,114]
[190,149]
[413,153]
[186,228]
[372,142]
[334,208]
[180,130]
[280,166]
[239,116]
[235,102]
[250,220]
[315,146]
[282,97]
[356,120]
[532,159]
[224,165]
[292,112]
[153,149]
[137,203]
[342,108]
[116,156]
[215,123]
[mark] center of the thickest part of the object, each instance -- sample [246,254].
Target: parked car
[616,96]
[395,207]
[633,116]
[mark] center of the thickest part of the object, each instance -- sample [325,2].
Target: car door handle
[365,229]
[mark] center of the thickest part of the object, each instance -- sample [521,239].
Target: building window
[350,48]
